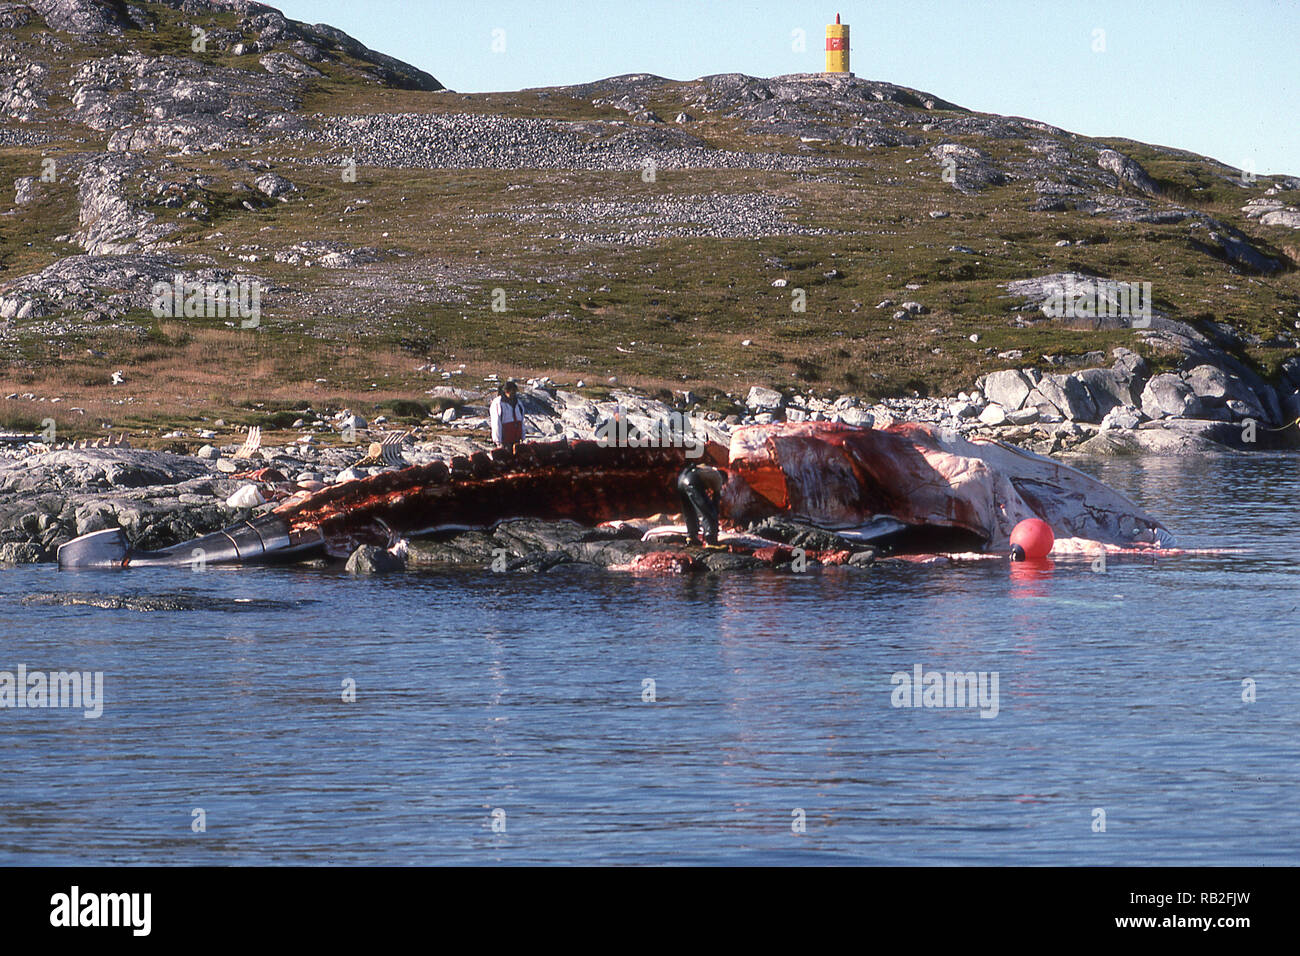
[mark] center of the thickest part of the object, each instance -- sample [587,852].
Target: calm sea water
[1118,691]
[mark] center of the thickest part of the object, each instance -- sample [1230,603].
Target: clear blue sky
[1219,78]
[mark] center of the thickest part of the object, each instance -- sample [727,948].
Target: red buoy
[1034,537]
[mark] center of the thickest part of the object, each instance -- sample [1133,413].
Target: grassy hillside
[673,313]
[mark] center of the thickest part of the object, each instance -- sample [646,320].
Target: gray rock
[863,559]
[1122,417]
[93,469]
[14,15]
[542,561]
[1009,388]
[208,453]
[83,16]
[25,190]
[1128,171]
[466,548]
[1167,395]
[1131,366]
[535,535]
[993,414]
[1236,249]
[1208,382]
[1107,388]
[857,416]
[1218,388]
[273,185]
[1069,396]
[722,562]
[281,62]
[971,169]
[21,553]
[1290,218]
[371,559]
[1023,416]
[95,516]
[766,399]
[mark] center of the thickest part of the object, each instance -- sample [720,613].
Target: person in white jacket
[507,416]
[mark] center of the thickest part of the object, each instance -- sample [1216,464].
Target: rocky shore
[235,160]
[49,496]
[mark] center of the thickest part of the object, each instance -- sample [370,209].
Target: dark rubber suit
[698,505]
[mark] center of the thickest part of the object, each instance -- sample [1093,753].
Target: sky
[1217,78]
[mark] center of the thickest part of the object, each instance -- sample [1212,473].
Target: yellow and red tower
[837,47]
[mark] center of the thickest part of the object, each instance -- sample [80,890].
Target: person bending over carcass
[700,488]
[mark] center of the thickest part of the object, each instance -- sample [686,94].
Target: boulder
[720,562]
[1070,396]
[1131,367]
[764,399]
[857,416]
[95,516]
[1122,417]
[1281,217]
[1208,382]
[535,535]
[1128,171]
[467,547]
[371,559]
[24,189]
[1009,388]
[993,414]
[21,553]
[1107,388]
[94,469]
[83,16]
[286,63]
[14,15]
[1167,395]
[273,186]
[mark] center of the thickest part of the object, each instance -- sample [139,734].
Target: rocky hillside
[809,234]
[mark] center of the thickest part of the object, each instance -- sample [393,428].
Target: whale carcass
[909,484]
